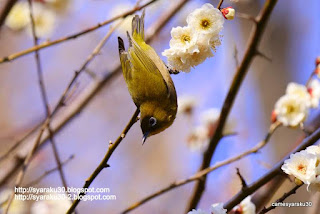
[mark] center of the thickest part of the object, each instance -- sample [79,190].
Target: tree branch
[104,163]
[73,36]
[281,199]
[271,173]
[6,10]
[199,175]
[250,52]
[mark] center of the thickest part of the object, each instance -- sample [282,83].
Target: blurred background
[291,41]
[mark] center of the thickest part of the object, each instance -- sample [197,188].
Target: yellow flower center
[205,24]
[291,109]
[302,168]
[185,38]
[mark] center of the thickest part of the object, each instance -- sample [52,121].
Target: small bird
[148,80]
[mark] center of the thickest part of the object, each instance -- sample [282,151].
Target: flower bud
[317,60]
[273,116]
[228,13]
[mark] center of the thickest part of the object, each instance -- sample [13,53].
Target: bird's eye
[152,121]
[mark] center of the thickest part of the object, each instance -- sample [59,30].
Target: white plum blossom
[18,18]
[291,110]
[314,90]
[246,207]
[214,209]
[302,165]
[208,21]
[193,44]
[50,206]
[299,90]
[44,20]
[210,116]
[198,139]
[315,150]
[184,40]
[186,104]
[218,209]
[198,211]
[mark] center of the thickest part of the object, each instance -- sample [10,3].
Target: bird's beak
[145,137]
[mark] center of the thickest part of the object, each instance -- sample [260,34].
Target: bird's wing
[147,61]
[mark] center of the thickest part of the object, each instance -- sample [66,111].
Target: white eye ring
[152,121]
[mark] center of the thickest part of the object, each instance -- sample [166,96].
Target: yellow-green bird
[148,81]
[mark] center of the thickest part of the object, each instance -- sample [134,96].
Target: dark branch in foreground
[286,195]
[276,170]
[6,10]
[242,70]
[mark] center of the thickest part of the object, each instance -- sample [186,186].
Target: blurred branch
[18,143]
[6,10]
[281,199]
[199,175]
[104,163]
[96,87]
[45,99]
[242,70]
[46,173]
[271,173]
[73,36]
[47,109]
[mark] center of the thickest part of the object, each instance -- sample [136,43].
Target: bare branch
[271,173]
[104,163]
[73,36]
[46,173]
[243,181]
[250,52]
[281,199]
[199,175]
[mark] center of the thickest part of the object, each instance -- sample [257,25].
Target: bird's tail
[138,26]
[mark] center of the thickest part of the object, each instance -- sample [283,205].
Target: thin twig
[243,181]
[199,175]
[219,4]
[48,172]
[281,199]
[250,52]
[95,88]
[104,163]
[310,140]
[73,36]
[19,142]
[45,98]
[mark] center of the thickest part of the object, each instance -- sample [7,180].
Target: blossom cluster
[293,108]
[193,44]
[245,207]
[44,14]
[304,166]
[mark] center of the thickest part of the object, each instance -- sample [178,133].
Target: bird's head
[154,119]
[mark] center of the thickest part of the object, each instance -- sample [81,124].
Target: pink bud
[228,13]
[273,116]
[317,60]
